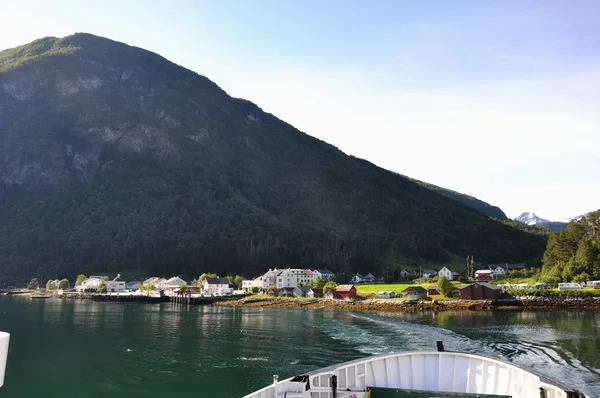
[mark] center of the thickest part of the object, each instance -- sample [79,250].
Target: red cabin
[345,292]
[480,291]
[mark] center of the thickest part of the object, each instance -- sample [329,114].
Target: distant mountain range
[533,219]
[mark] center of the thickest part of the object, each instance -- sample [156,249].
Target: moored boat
[421,374]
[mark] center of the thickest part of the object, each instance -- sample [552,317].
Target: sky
[496,99]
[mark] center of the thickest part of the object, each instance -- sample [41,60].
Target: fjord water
[73,348]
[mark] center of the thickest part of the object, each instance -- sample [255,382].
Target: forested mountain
[477,204]
[574,254]
[114,158]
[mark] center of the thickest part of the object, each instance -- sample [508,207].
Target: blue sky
[495,99]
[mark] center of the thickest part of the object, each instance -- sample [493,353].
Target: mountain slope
[470,201]
[113,157]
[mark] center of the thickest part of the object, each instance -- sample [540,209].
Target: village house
[484,275]
[432,291]
[173,283]
[133,285]
[446,273]
[314,292]
[385,295]
[480,291]
[369,278]
[270,278]
[300,291]
[156,281]
[217,286]
[287,291]
[515,266]
[345,292]
[498,271]
[293,277]
[330,294]
[92,283]
[415,292]
[324,274]
[249,284]
[117,285]
[358,278]
[429,273]
[408,274]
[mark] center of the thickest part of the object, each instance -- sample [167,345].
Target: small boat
[420,374]
[39,296]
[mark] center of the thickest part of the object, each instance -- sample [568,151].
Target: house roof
[488,285]
[484,271]
[304,288]
[516,266]
[316,290]
[308,272]
[429,271]
[217,281]
[287,289]
[415,289]
[323,271]
[344,288]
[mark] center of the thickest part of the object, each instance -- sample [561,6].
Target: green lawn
[368,289]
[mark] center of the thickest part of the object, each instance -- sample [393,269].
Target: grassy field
[371,289]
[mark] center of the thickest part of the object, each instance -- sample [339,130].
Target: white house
[369,278]
[429,273]
[249,284]
[358,278]
[156,281]
[270,278]
[217,286]
[292,277]
[445,272]
[115,286]
[324,274]
[92,283]
[173,283]
[498,271]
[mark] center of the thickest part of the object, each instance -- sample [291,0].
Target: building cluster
[173,285]
[286,278]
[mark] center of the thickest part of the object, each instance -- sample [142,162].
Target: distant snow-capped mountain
[530,218]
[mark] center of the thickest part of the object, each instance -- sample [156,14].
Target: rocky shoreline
[416,306]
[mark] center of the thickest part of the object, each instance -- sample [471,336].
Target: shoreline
[405,306]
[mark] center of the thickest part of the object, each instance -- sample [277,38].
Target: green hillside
[114,158]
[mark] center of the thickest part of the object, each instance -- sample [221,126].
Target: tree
[445,287]
[255,289]
[50,285]
[236,280]
[102,287]
[274,288]
[207,275]
[80,279]
[63,284]
[318,283]
[329,285]
[148,287]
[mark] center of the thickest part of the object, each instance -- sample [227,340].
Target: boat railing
[4,340]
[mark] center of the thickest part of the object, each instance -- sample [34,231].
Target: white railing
[4,339]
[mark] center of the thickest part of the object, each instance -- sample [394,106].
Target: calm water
[85,349]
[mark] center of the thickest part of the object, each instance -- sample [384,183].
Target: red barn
[432,291]
[345,291]
[480,291]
